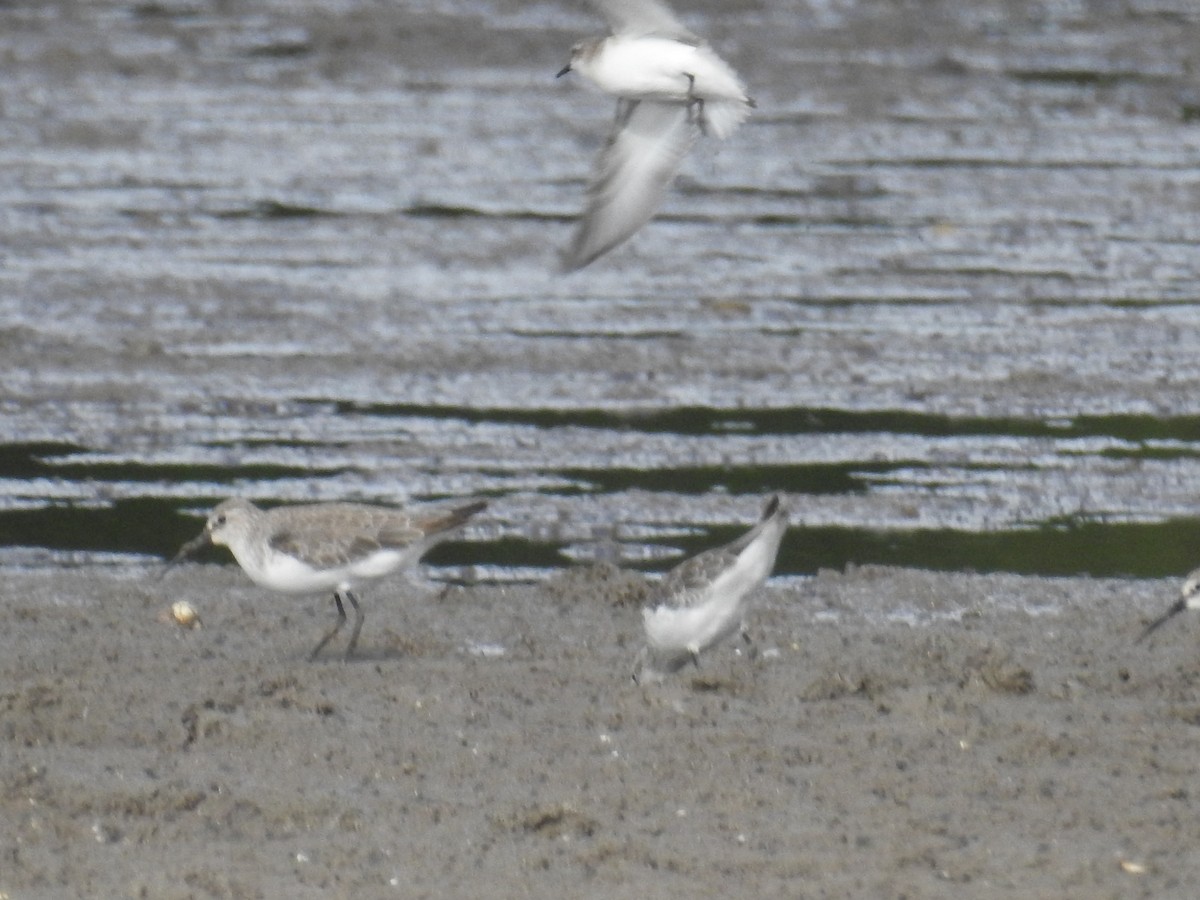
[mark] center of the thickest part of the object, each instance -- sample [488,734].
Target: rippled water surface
[942,290]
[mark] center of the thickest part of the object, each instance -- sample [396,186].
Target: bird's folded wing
[334,536]
[329,552]
[687,583]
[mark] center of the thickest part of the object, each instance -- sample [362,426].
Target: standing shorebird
[1189,598]
[325,546]
[703,600]
[670,86]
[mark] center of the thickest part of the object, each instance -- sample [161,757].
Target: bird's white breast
[283,572]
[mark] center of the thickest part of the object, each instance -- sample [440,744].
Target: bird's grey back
[338,534]
[685,585]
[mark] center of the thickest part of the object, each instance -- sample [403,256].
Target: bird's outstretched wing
[643,17]
[645,148]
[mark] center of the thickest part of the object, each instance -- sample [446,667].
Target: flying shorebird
[703,600]
[325,546]
[1189,598]
[670,86]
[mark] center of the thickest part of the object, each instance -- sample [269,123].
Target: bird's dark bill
[1180,606]
[197,543]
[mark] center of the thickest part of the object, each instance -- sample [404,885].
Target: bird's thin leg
[337,626]
[358,623]
[695,105]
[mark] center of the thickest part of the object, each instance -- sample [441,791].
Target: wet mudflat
[940,291]
[943,282]
[899,733]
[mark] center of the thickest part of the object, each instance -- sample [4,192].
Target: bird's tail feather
[453,518]
[722,117]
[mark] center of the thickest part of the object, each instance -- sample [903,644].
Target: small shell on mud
[183,613]
[1133,868]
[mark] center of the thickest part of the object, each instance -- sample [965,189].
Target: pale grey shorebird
[704,599]
[670,85]
[1189,598]
[325,546]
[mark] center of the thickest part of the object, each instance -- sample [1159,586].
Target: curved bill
[197,543]
[1179,606]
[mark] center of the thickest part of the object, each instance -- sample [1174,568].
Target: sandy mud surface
[899,733]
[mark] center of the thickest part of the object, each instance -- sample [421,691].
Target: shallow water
[941,290]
